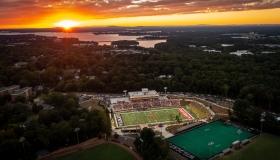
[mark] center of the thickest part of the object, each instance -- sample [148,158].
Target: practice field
[101,152]
[263,147]
[210,139]
[154,116]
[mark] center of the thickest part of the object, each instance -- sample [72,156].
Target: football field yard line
[154,116]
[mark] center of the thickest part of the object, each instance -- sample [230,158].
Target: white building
[144,94]
[9,89]
[25,92]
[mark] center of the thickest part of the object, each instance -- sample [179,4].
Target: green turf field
[151,116]
[101,152]
[263,147]
[210,139]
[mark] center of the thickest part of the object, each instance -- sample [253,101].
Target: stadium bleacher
[145,104]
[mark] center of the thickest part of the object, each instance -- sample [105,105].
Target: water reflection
[102,39]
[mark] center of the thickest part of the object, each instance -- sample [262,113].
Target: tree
[60,101]
[5,98]
[13,113]
[98,123]
[13,149]
[20,99]
[178,118]
[61,134]
[244,112]
[240,108]
[225,90]
[150,146]
[48,117]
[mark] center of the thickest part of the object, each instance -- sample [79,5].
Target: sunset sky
[48,13]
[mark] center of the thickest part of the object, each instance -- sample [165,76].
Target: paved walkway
[163,130]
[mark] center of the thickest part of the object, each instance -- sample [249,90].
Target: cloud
[17,11]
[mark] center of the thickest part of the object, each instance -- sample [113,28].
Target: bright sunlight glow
[67,24]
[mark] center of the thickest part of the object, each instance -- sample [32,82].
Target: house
[20,64]
[24,92]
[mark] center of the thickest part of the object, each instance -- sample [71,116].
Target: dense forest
[28,130]
[67,68]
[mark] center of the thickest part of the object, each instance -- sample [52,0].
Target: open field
[210,139]
[154,116]
[101,152]
[263,147]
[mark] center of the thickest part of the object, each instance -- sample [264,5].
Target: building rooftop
[119,99]
[20,91]
[145,93]
[13,87]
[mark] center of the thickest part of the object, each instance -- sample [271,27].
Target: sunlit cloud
[17,12]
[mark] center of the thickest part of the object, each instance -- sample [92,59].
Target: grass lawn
[151,116]
[264,147]
[101,152]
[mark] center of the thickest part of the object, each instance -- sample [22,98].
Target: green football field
[101,152]
[151,116]
[210,139]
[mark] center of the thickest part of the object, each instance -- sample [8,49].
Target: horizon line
[163,26]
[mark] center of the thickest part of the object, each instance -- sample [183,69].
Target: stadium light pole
[22,140]
[262,120]
[141,141]
[125,91]
[165,89]
[239,132]
[161,126]
[76,130]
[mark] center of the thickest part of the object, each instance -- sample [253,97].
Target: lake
[102,39]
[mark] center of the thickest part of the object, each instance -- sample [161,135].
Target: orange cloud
[44,13]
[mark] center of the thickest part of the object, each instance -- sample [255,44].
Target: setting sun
[67,24]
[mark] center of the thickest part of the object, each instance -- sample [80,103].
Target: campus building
[16,91]
[9,89]
[145,93]
[25,92]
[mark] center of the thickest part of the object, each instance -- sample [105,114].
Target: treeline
[248,114]
[67,68]
[254,77]
[28,130]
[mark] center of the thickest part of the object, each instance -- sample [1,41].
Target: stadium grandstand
[146,107]
[141,100]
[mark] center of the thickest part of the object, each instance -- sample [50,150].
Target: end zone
[185,113]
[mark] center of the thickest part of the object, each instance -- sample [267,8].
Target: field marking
[155,117]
